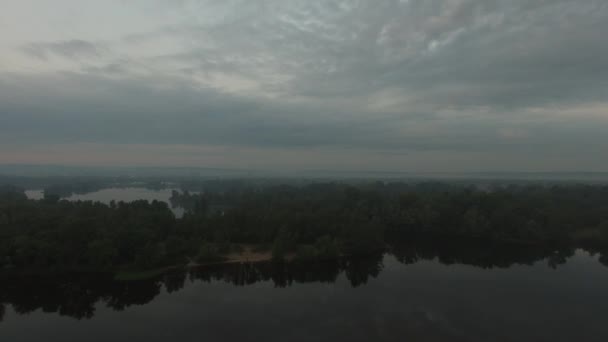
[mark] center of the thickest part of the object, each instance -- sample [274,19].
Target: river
[411,295]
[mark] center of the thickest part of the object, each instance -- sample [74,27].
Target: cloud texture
[428,85]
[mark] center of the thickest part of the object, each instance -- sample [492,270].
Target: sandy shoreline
[247,255]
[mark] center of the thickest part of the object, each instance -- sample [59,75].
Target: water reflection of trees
[357,271]
[77,295]
[74,295]
[483,255]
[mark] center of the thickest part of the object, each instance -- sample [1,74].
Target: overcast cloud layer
[437,85]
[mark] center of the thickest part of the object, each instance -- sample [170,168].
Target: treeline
[362,218]
[49,233]
[311,222]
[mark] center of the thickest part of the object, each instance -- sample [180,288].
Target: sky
[392,85]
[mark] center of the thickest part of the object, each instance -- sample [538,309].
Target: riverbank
[242,254]
[471,251]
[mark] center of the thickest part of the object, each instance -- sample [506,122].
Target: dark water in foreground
[416,296]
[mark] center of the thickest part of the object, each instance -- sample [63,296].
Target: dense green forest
[310,222]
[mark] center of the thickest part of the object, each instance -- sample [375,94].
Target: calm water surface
[414,296]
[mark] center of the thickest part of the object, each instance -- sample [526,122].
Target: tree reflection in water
[77,295]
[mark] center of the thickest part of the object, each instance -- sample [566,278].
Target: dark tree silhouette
[314,222]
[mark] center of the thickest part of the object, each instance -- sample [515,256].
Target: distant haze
[378,85]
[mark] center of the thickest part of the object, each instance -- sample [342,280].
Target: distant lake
[409,296]
[118,194]
[34,194]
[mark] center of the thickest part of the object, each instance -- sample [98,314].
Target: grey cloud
[129,111]
[436,75]
[467,52]
[70,49]
[527,57]
[133,111]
